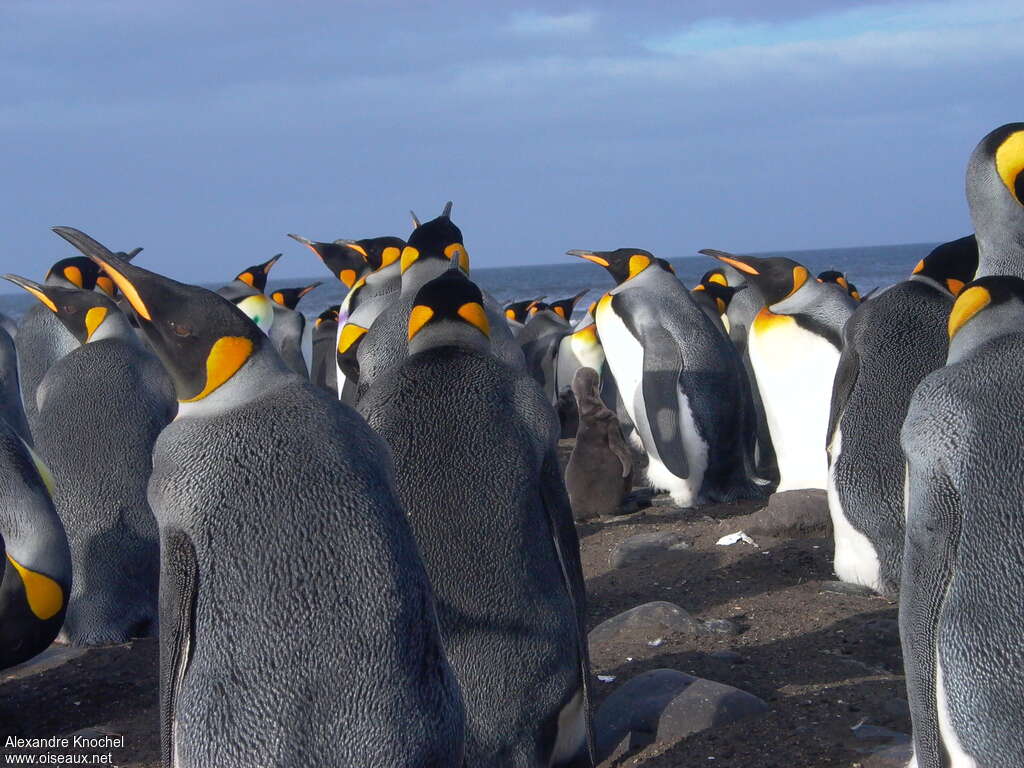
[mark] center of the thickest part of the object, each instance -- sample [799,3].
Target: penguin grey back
[11,409]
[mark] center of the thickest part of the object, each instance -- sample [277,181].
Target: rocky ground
[814,675]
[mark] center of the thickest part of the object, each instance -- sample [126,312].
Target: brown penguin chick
[600,470]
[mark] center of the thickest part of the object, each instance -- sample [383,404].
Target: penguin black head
[329,315]
[951,264]
[564,307]
[714,276]
[517,309]
[81,312]
[289,297]
[834,276]
[852,290]
[347,259]
[256,275]
[988,307]
[777,278]
[448,310]
[73,272]
[436,239]
[201,338]
[720,294]
[624,263]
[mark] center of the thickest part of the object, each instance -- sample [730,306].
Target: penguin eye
[181,330]
[69,309]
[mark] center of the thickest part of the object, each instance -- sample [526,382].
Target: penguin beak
[118,269]
[967,305]
[732,260]
[590,256]
[267,265]
[309,288]
[37,290]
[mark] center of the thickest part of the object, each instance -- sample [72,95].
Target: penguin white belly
[856,561]
[573,354]
[625,357]
[957,756]
[334,353]
[795,370]
[572,731]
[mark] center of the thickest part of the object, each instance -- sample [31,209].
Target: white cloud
[540,24]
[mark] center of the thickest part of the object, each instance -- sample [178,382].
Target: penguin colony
[361,517]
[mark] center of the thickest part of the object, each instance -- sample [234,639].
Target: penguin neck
[1001,249]
[990,325]
[422,272]
[831,308]
[931,282]
[449,334]
[261,374]
[116,326]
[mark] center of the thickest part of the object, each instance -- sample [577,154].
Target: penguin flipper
[663,365]
[842,387]
[567,548]
[178,587]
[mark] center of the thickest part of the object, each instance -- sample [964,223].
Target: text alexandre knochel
[66,742]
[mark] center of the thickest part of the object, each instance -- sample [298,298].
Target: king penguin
[794,348]
[714,298]
[838,279]
[36,578]
[432,247]
[679,379]
[960,617]
[290,334]
[246,293]
[42,338]
[101,407]
[298,625]
[517,313]
[324,372]
[891,343]
[480,479]
[346,259]
[995,195]
[547,325]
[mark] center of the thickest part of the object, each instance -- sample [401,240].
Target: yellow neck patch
[967,305]
[473,313]
[93,318]
[721,306]
[560,312]
[350,334]
[638,263]
[954,285]
[588,334]
[247,278]
[74,275]
[106,285]
[800,276]
[278,297]
[919,267]
[409,256]
[419,317]
[227,355]
[389,256]
[348,277]
[1010,161]
[767,320]
[718,277]
[45,596]
[458,249]
[510,314]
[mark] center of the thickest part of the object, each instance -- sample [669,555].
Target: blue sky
[205,131]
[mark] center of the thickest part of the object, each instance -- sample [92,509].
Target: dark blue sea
[867,267]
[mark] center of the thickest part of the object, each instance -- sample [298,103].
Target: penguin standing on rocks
[324,372]
[101,407]
[794,346]
[995,195]
[960,619]
[283,551]
[36,578]
[42,338]
[291,335]
[891,343]
[600,469]
[246,293]
[480,479]
[739,317]
[679,379]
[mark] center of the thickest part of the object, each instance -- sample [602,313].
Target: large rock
[645,623]
[643,546]
[792,513]
[666,706]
